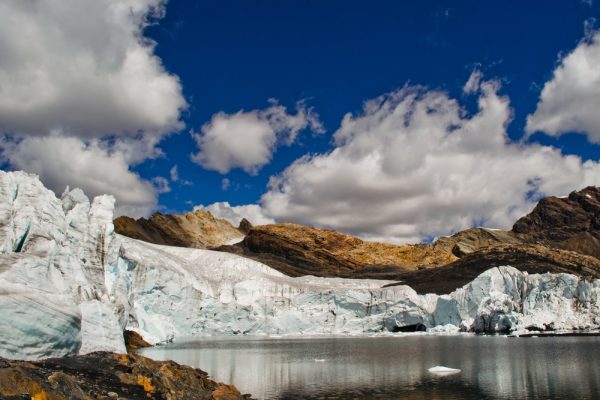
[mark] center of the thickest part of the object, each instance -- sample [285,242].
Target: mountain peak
[199,229]
[570,223]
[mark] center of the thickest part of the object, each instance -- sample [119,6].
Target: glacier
[70,285]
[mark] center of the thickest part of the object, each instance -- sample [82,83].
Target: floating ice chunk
[441,370]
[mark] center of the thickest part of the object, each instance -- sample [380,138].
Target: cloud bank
[79,78]
[414,165]
[569,102]
[247,140]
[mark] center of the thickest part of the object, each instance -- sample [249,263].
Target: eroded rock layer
[198,229]
[570,223]
[300,250]
[559,235]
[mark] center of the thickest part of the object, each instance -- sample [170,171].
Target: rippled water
[493,367]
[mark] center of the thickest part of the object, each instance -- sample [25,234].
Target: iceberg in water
[69,284]
[441,370]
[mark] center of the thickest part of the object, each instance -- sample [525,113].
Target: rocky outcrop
[197,229]
[104,375]
[134,341]
[298,250]
[560,235]
[245,226]
[571,223]
[530,258]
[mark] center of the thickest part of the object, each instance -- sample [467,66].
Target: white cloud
[472,85]
[161,184]
[247,140]
[80,73]
[234,214]
[83,67]
[225,184]
[414,165]
[62,161]
[174,173]
[569,102]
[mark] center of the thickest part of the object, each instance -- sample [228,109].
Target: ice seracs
[52,261]
[68,284]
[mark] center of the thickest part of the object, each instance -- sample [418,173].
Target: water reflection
[392,367]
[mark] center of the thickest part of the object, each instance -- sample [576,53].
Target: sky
[392,121]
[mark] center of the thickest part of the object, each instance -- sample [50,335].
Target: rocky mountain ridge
[298,250]
[569,223]
[555,237]
[197,229]
[559,235]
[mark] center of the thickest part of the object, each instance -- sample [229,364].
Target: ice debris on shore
[69,284]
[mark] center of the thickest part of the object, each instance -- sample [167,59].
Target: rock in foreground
[104,375]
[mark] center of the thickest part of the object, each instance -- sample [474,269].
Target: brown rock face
[198,229]
[245,226]
[300,250]
[560,235]
[571,223]
[535,259]
[134,341]
[108,376]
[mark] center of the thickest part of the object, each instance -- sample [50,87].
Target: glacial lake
[493,367]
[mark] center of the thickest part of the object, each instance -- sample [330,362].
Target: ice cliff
[69,284]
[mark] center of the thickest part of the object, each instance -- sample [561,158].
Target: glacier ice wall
[52,259]
[69,284]
[179,292]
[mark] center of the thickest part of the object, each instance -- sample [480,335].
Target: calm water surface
[493,367]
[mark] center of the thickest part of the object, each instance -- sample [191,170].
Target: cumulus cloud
[83,66]
[414,165]
[247,140]
[161,184]
[473,83]
[62,161]
[234,214]
[225,183]
[174,173]
[569,102]
[80,73]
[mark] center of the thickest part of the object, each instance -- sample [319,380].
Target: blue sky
[319,60]
[236,55]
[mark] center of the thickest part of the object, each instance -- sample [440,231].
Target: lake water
[493,367]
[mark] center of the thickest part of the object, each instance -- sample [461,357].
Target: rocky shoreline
[104,375]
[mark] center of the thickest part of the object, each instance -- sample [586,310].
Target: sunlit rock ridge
[69,284]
